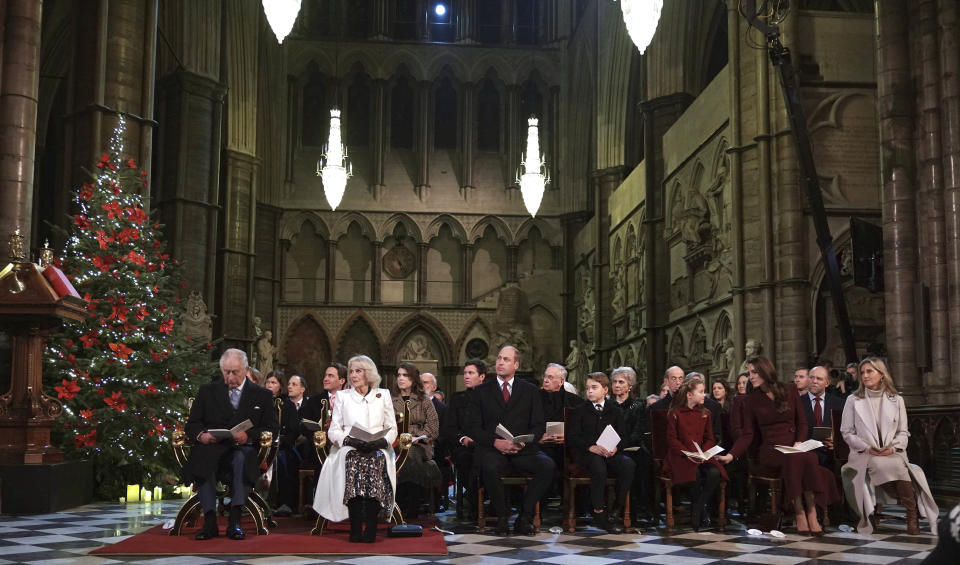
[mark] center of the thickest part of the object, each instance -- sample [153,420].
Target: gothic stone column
[19,82]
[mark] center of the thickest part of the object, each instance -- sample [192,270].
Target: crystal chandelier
[641,17]
[532,174]
[281,15]
[333,167]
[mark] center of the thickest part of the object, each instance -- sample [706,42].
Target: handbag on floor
[405,531]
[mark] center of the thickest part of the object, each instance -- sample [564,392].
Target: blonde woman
[359,478]
[875,427]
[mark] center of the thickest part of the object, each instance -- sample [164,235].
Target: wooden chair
[512,478]
[658,423]
[401,449]
[575,476]
[256,506]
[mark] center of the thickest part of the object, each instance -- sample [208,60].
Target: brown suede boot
[908,499]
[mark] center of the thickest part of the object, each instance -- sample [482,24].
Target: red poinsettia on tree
[125,374]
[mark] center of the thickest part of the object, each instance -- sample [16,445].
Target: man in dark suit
[556,401]
[517,406]
[223,405]
[293,446]
[818,404]
[454,434]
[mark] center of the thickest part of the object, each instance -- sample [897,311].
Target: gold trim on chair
[267,449]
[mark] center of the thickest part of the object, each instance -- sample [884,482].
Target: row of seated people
[770,412]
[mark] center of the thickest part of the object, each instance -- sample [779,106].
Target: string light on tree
[124,374]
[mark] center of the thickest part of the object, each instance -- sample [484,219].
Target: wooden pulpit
[30,307]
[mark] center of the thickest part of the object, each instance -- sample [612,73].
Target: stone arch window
[354,250]
[402,110]
[359,19]
[315,113]
[488,117]
[444,268]
[488,21]
[305,266]
[534,253]
[528,31]
[445,114]
[357,119]
[489,263]
[405,20]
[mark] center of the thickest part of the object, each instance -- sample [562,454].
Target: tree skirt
[291,537]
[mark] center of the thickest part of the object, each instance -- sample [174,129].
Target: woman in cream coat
[874,425]
[359,479]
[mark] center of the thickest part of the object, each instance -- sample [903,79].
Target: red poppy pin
[378,395]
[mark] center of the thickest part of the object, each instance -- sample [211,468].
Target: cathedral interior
[673,231]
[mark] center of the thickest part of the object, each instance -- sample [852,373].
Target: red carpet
[292,536]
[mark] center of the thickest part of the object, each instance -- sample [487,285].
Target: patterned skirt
[366,476]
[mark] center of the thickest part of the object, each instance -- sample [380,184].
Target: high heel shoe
[803,528]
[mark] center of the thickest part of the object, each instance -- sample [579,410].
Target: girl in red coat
[688,422]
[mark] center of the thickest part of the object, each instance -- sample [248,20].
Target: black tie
[599,407]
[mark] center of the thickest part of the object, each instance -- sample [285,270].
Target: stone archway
[306,349]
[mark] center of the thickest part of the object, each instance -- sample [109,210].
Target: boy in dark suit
[222,405]
[517,405]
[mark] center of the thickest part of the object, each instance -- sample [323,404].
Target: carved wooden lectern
[30,307]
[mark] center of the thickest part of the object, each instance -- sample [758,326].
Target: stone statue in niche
[576,363]
[698,345]
[677,355]
[618,302]
[718,212]
[694,218]
[195,322]
[729,358]
[753,348]
[588,306]
[416,349]
[265,353]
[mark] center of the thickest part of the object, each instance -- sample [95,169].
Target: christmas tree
[125,374]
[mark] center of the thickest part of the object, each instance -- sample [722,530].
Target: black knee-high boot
[355,510]
[371,510]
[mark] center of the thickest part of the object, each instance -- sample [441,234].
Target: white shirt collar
[596,403]
[509,383]
[242,384]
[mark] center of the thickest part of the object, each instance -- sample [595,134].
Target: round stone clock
[399,262]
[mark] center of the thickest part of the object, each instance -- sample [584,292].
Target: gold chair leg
[188,508]
[319,526]
[253,507]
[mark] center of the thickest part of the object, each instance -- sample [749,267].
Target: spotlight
[440,9]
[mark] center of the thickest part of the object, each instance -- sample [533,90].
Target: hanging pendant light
[532,175]
[334,168]
[281,15]
[641,17]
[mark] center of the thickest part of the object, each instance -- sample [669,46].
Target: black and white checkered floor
[67,537]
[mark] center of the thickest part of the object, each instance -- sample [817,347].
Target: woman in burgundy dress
[774,410]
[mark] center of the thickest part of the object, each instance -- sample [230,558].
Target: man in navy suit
[818,405]
[222,405]
[517,405]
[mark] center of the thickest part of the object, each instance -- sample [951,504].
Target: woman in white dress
[874,425]
[358,479]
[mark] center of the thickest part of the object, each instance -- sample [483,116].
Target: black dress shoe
[206,534]
[234,532]
[502,528]
[524,527]
[209,529]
